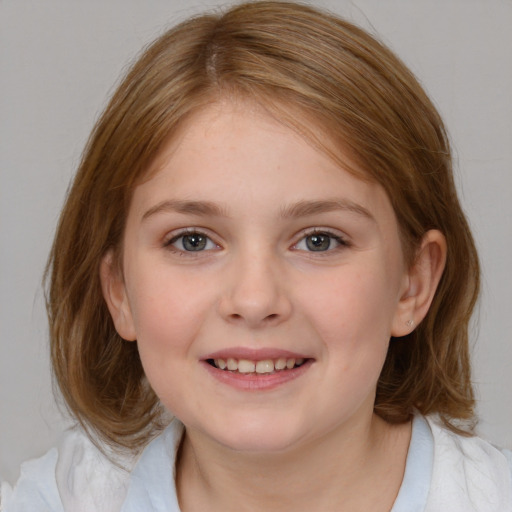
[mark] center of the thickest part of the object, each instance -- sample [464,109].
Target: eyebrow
[200,208]
[299,209]
[306,208]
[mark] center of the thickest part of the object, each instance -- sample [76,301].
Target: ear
[420,283]
[114,293]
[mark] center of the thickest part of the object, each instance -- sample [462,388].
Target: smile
[264,366]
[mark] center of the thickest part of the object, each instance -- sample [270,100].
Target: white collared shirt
[444,472]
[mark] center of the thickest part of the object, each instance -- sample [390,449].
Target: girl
[261,283]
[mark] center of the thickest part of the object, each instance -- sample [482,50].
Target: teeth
[266,366]
[290,363]
[245,366]
[280,364]
[263,366]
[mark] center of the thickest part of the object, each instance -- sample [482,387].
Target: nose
[255,292]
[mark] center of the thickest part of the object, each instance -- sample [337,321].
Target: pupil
[194,242]
[318,242]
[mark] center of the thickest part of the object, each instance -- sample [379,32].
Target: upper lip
[252,354]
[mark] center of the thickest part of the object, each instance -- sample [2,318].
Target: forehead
[218,109]
[238,152]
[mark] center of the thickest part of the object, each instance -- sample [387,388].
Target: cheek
[352,317]
[352,304]
[168,310]
[352,314]
[168,317]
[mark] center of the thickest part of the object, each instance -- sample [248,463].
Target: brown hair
[288,57]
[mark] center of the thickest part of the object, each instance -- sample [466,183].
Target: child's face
[247,243]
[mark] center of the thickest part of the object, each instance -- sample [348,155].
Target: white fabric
[444,472]
[415,487]
[98,484]
[469,475]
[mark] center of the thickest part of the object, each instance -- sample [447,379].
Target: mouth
[259,370]
[257,367]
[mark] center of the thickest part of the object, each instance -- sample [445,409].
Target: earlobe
[421,283]
[114,293]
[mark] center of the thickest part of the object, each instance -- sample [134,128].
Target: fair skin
[248,247]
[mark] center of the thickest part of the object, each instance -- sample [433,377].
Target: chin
[260,444]
[256,435]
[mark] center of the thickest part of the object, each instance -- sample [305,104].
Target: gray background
[59,61]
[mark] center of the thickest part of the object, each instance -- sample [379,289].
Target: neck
[347,470]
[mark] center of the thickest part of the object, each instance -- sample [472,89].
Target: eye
[320,241]
[192,241]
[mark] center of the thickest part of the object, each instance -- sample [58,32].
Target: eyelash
[168,244]
[340,240]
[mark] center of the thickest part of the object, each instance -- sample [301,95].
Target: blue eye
[320,242]
[192,242]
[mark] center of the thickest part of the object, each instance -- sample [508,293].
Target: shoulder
[36,488]
[75,475]
[89,480]
[469,473]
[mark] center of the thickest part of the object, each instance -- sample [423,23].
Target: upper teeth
[263,366]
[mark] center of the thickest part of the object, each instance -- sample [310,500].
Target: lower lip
[254,381]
